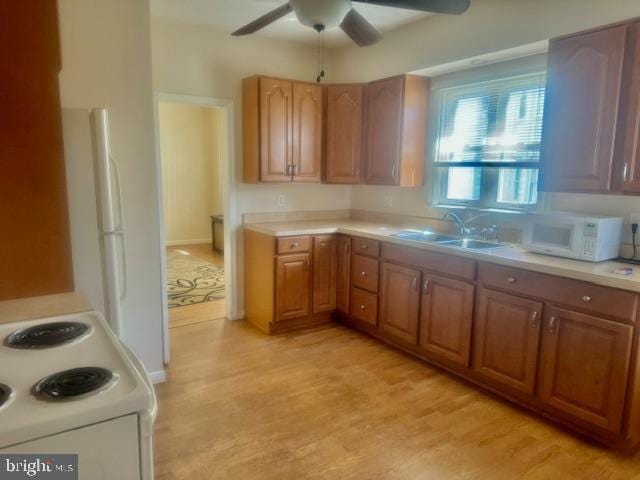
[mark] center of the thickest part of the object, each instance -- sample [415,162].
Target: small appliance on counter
[68,385]
[573,235]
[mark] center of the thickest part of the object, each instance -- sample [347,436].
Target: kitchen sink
[471,244]
[446,240]
[426,236]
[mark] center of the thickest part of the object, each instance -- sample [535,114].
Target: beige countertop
[40,307]
[511,255]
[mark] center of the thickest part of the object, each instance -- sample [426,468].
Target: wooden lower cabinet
[584,367]
[293,286]
[446,315]
[363,306]
[324,273]
[343,273]
[400,302]
[506,338]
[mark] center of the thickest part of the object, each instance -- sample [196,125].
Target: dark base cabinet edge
[501,393]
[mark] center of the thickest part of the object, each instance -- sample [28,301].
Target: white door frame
[229,206]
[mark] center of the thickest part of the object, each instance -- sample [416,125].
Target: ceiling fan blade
[434,6]
[264,20]
[359,29]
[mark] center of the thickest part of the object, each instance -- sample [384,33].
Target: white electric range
[69,385]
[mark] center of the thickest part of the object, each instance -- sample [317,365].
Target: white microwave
[576,236]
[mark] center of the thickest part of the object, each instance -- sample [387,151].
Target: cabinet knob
[294,245]
[364,274]
[364,246]
[586,298]
[511,280]
[362,307]
[534,320]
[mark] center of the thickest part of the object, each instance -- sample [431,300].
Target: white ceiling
[232,14]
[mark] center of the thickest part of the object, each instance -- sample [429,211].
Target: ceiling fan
[324,14]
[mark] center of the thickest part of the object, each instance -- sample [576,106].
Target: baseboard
[158,377]
[195,241]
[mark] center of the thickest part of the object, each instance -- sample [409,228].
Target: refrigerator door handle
[116,170]
[123,259]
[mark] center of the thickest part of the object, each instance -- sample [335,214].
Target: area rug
[192,280]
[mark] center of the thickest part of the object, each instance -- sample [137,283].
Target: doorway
[197,201]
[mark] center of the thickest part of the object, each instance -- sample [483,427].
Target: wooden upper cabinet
[35,248]
[293,286]
[628,171]
[307,132]
[584,81]
[343,273]
[400,302]
[396,117]
[506,337]
[324,273]
[445,318]
[584,367]
[343,158]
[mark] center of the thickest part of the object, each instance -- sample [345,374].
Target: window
[487,148]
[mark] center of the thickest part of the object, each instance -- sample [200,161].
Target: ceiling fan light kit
[322,15]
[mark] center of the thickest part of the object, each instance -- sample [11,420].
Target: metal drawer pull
[294,245]
[364,274]
[552,325]
[511,280]
[364,246]
[414,284]
[586,298]
[362,307]
[534,320]
[323,244]
[425,286]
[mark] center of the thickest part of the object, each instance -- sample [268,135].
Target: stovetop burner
[47,335]
[5,394]
[73,382]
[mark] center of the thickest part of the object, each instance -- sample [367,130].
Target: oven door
[560,237]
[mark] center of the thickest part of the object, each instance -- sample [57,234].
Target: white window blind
[488,143]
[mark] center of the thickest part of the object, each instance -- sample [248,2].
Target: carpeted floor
[191,280]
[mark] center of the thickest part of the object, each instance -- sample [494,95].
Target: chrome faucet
[465,231]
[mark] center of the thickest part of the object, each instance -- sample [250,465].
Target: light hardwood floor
[331,403]
[200,312]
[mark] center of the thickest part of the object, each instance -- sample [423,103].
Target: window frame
[489,177]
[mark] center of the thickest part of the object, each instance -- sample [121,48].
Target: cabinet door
[292,286]
[506,337]
[445,318]
[324,273]
[276,97]
[307,132]
[384,127]
[629,132]
[400,302]
[343,274]
[344,133]
[581,111]
[584,366]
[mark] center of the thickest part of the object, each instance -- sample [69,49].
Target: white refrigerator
[98,235]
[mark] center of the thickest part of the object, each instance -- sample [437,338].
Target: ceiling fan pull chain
[322,55]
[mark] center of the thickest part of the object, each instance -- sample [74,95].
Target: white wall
[190,152]
[106,58]
[488,26]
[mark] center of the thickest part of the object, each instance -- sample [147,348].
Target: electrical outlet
[281,202]
[387,201]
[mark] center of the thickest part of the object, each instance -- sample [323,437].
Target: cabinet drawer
[365,246]
[451,265]
[364,273]
[585,296]
[294,244]
[364,306]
